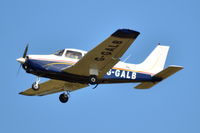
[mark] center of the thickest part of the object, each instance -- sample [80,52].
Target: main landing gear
[93,79]
[64,97]
[36,85]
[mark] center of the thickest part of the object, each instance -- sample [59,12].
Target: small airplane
[73,69]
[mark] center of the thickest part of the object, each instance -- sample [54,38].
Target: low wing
[53,86]
[105,55]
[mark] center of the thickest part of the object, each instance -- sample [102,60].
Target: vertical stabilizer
[155,62]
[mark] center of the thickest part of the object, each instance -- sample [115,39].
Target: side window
[59,53]
[73,54]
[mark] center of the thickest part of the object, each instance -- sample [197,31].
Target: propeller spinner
[22,59]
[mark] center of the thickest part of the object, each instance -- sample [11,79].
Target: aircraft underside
[107,79]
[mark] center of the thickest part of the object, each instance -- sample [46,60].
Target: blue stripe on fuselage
[112,74]
[47,65]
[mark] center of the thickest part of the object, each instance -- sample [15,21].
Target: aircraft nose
[21,60]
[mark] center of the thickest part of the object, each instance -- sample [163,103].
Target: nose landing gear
[36,85]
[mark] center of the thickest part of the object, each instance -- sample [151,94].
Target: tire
[35,86]
[63,98]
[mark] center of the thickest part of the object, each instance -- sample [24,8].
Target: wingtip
[21,93]
[126,33]
[25,94]
[177,66]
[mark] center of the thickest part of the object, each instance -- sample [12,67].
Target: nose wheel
[36,85]
[64,97]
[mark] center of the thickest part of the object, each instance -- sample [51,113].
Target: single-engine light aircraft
[73,69]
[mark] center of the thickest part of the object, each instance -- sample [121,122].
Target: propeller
[25,51]
[22,60]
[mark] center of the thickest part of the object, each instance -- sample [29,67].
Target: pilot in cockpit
[73,54]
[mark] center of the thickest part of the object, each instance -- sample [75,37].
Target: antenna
[127,58]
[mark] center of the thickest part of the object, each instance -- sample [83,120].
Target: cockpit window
[73,54]
[59,53]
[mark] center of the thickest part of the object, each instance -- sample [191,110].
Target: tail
[155,62]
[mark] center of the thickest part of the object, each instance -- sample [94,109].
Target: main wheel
[63,98]
[35,86]
[93,79]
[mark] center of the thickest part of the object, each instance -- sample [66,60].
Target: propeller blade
[19,69]
[24,57]
[25,51]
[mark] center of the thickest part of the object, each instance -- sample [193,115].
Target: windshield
[59,52]
[73,54]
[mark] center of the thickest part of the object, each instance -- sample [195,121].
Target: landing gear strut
[35,85]
[93,79]
[64,97]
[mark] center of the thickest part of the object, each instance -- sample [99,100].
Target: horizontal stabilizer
[145,85]
[161,75]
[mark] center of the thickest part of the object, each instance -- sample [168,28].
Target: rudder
[155,62]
